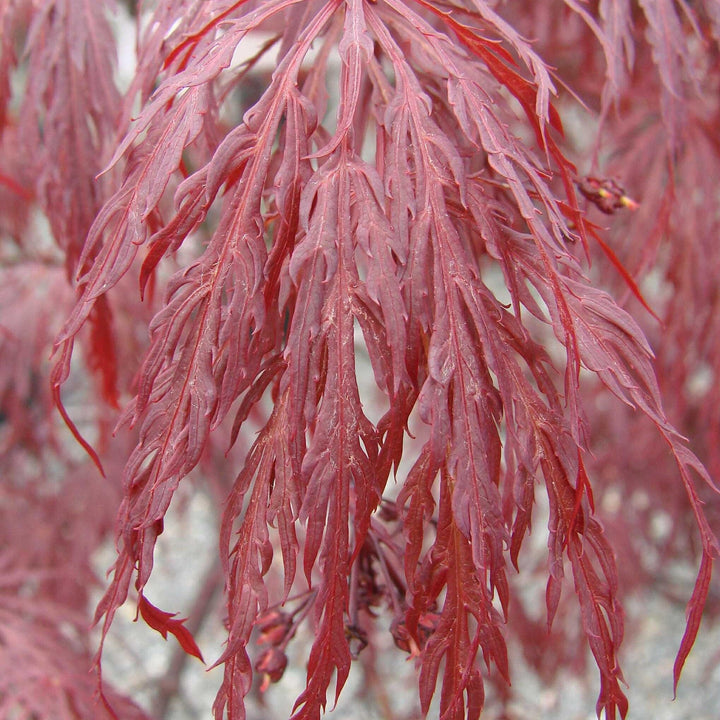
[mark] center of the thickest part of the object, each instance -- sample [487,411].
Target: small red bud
[274,626]
[606,194]
[271,664]
[400,634]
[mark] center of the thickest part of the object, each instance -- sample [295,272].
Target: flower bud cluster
[275,630]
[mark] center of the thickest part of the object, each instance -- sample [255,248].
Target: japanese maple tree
[213,247]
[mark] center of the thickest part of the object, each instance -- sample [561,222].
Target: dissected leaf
[165,623]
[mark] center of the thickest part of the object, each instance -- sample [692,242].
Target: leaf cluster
[399,188]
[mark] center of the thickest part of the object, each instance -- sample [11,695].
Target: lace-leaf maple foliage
[399,187]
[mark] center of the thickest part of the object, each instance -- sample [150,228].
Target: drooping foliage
[397,186]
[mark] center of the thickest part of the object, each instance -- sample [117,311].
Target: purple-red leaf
[165,623]
[694,616]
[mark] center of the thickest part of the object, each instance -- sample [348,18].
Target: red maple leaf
[165,623]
